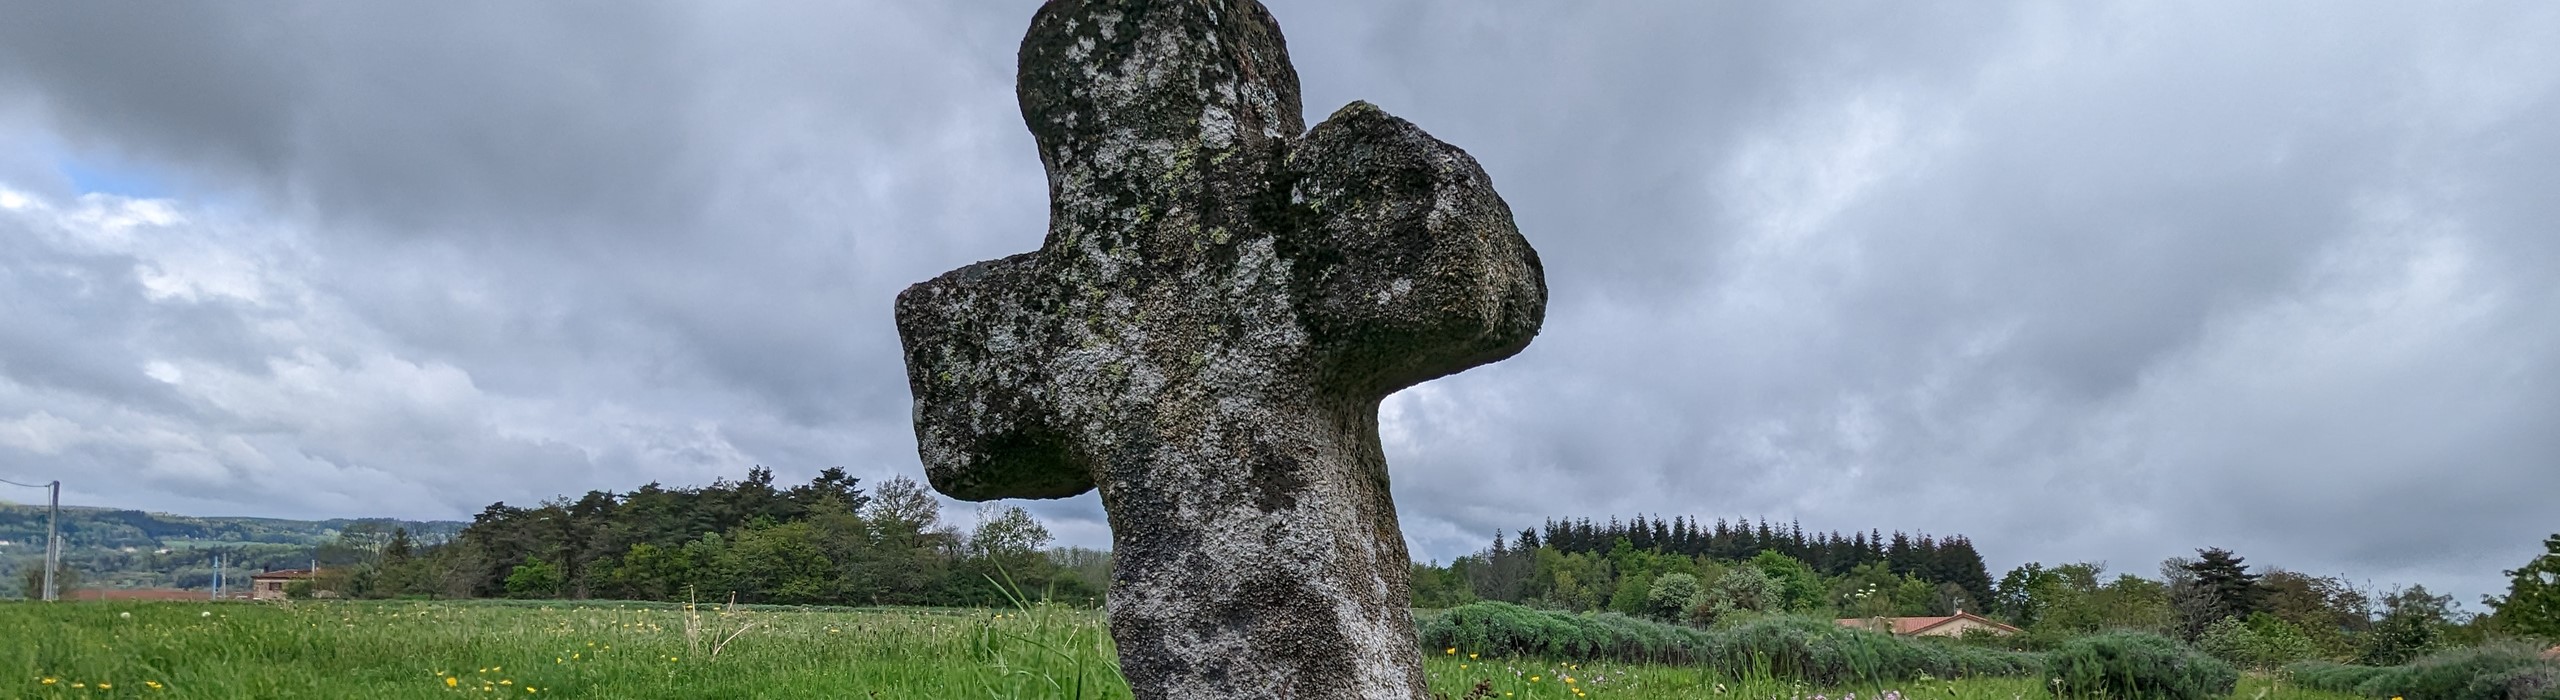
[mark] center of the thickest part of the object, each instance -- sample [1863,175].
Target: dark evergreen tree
[2224,587]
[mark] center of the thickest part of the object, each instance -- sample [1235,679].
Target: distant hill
[107,528]
[132,549]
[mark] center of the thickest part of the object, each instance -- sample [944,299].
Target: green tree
[1798,587]
[781,564]
[1436,588]
[1671,596]
[2413,623]
[1632,594]
[2023,594]
[2532,604]
[1741,589]
[2326,609]
[534,578]
[2136,603]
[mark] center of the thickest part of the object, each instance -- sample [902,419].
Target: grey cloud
[2104,281]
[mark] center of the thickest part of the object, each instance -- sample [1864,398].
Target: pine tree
[1898,555]
[2224,588]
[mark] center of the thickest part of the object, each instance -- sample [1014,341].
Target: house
[1948,626]
[269,585]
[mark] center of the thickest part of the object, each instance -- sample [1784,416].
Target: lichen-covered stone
[1222,300]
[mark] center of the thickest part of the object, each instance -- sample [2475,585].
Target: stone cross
[1222,300]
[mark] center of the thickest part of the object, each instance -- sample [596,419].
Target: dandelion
[154,685]
[106,686]
[48,681]
[1453,651]
[450,681]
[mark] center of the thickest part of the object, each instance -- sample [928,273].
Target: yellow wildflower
[48,681]
[106,686]
[1453,651]
[450,681]
[1471,656]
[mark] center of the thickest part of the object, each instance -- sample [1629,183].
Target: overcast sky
[2084,281]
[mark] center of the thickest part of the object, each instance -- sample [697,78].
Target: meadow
[387,650]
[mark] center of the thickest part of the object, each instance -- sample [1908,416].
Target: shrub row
[2120,665]
[2493,672]
[2138,665]
[1815,651]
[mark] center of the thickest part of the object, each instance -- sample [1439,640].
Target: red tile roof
[138,594]
[1906,626]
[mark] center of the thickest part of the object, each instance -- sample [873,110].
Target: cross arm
[976,340]
[1414,266]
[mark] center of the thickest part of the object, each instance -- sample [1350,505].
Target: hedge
[1815,651]
[2492,672]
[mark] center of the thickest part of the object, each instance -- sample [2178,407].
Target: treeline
[823,542]
[1707,574]
[1581,565]
[2254,618]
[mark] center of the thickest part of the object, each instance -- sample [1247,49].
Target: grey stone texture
[1222,300]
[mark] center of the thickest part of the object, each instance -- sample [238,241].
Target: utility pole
[51,590]
[53,541]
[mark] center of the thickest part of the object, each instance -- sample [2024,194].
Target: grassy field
[381,651]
